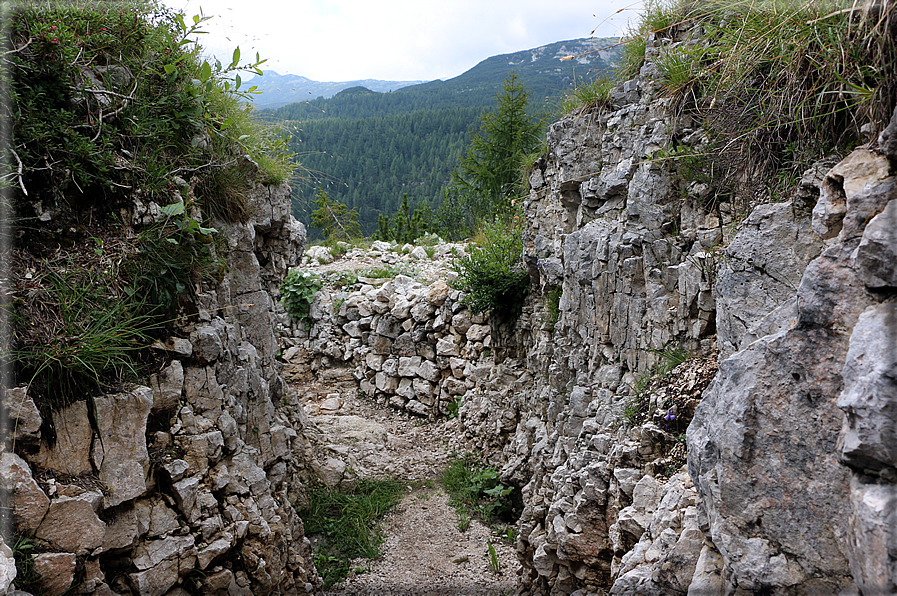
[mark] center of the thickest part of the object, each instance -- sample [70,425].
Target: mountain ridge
[543,69]
[283,89]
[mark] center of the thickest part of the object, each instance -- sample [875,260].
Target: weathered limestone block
[424,391]
[157,580]
[214,550]
[203,391]
[71,453]
[25,499]
[253,312]
[477,332]
[244,466]
[437,293]
[385,383]
[876,256]
[429,371]
[447,346]
[331,472]
[185,492]
[401,310]
[418,408]
[207,341]
[422,311]
[763,267]
[56,572]
[707,579]
[167,387]
[389,326]
[769,421]
[7,567]
[23,416]
[873,517]
[405,388]
[841,185]
[72,525]
[121,455]
[868,440]
[152,552]
[409,366]
[122,529]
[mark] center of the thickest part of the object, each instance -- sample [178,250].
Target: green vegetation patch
[298,291]
[111,98]
[776,85]
[347,521]
[492,275]
[475,490]
[636,410]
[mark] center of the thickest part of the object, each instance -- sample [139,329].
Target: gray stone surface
[120,453]
[25,499]
[761,269]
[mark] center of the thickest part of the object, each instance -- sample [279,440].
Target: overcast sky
[396,40]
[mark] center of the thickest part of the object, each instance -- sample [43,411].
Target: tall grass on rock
[776,85]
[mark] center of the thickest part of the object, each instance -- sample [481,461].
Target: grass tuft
[347,521]
[475,491]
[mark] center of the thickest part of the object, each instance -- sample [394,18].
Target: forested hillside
[367,149]
[368,163]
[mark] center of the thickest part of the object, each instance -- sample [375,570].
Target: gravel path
[424,553]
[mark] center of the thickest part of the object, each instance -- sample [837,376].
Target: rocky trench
[762,464]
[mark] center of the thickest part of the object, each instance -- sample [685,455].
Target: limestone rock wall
[795,300]
[186,485]
[791,447]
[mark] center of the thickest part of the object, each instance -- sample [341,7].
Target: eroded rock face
[212,508]
[762,446]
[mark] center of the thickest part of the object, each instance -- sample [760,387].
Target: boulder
[24,417]
[71,452]
[167,387]
[56,572]
[72,525]
[867,439]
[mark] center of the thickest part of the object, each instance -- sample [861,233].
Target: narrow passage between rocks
[424,553]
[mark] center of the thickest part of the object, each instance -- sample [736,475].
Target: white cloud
[337,40]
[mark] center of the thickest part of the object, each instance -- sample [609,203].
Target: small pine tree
[335,220]
[488,175]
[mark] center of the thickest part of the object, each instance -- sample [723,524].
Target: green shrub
[173,257]
[109,97]
[347,521]
[298,291]
[475,491]
[492,274]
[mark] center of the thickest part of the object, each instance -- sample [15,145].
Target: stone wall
[413,346]
[186,485]
[796,299]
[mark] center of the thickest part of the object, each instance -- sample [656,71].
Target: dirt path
[424,553]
